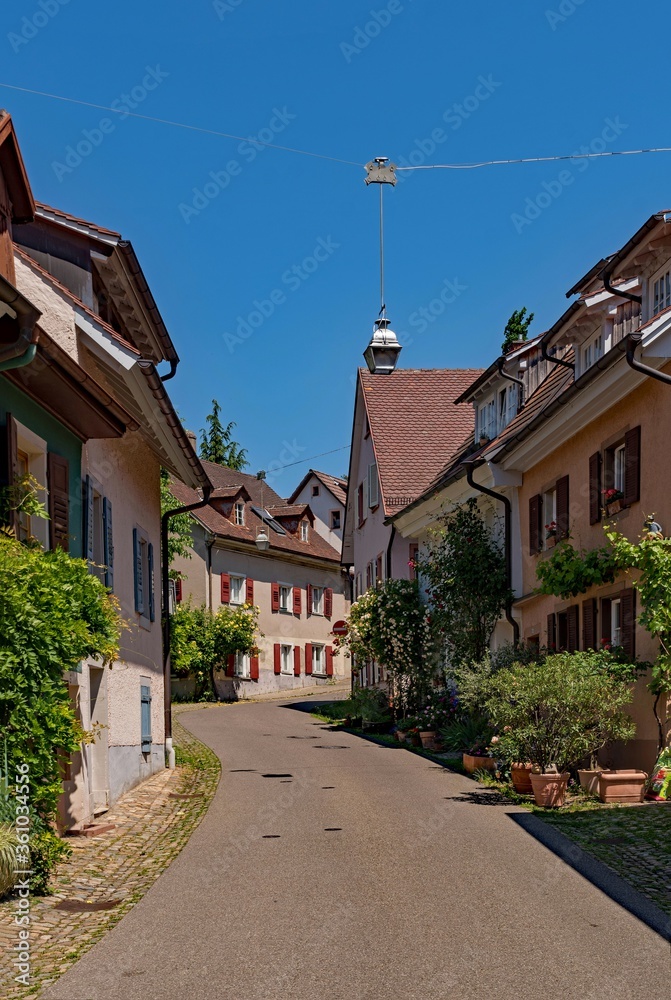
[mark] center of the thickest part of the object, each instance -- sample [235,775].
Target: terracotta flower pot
[400,736]
[622,786]
[589,780]
[474,763]
[428,739]
[520,775]
[549,789]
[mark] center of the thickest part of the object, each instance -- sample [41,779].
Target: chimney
[194,441]
[515,345]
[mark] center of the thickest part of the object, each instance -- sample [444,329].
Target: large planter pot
[520,775]
[473,763]
[589,780]
[413,739]
[428,739]
[549,789]
[622,786]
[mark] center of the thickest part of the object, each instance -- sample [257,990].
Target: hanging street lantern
[382,353]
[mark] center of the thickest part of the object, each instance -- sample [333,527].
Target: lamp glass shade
[262,540]
[382,353]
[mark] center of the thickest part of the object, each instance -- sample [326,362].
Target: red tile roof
[336,485]
[261,495]
[415,426]
[48,211]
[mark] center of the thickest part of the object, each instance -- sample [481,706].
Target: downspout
[24,348]
[555,361]
[633,339]
[511,378]
[173,370]
[389,548]
[165,588]
[209,543]
[470,467]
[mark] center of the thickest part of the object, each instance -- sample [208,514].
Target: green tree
[201,641]
[517,328]
[217,445]
[180,536]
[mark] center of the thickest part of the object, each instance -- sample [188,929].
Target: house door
[98,752]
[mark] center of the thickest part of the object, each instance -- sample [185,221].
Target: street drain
[286,781]
[277,775]
[332,829]
[328,786]
[242,770]
[185,795]
[271,836]
[87,906]
[328,747]
[302,737]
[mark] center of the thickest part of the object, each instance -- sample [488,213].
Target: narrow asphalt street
[329,867]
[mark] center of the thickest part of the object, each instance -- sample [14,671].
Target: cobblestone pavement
[151,829]
[634,841]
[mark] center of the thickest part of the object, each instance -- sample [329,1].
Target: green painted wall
[59,440]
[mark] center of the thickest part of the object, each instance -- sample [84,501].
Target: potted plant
[622,785]
[612,499]
[478,757]
[8,845]
[520,775]
[556,712]
[551,534]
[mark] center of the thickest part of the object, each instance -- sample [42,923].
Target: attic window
[268,519]
[315,491]
[239,513]
[305,531]
[661,293]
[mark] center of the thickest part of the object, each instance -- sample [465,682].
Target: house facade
[327,497]
[297,585]
[88,415]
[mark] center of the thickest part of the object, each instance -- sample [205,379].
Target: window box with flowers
[550,535]
[613,500]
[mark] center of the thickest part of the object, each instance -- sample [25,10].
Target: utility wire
[304,460]
[191,128]
[535,159]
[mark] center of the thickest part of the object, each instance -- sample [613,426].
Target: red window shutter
[178,589]
[230,665]
[308,658]
[595,498]
[589,615]
[277,658]
[535,512]
[249,590]
[297,661]
[329,661]
[628,622]
[552,632]
[308,599]
[225,588]
[275,597]
[58,478]
[297,600]
[573,624]
[562,508]
[328,602]
[606,623]
[254,668]
[632,465]
[359,503]
[9,463]
[378,569]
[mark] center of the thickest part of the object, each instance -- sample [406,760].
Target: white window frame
[549,512]
[357,586]
[239,513]
[373,486]
[616,621]
[660,291]
[240,581]
[286,659]
[486,422]
[318,654]
[241,665]
[317,601]
[305,531]
[35,449]
[591,352]
[288,589]
[619,467]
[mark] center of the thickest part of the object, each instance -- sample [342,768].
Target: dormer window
[239,513]
[661,292]
[591,352]
[305,531]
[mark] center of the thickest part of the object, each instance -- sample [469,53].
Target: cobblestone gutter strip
[151,830]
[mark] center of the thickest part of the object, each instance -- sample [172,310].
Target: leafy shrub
[557,711]
[371,705]
[462,734]
[8,844]
[201,642]
[46,850]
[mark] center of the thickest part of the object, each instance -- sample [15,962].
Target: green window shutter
[145,702]
[137,572]
[108,544]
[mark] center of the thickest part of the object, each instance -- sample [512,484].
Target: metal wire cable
[536,159]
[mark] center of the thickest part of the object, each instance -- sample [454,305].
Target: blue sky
[295,237]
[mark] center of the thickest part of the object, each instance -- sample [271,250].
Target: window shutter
[88,519]
[328,602]
[138,579]
[225,588]
[535,510]
[329,661]
[572,627]
[274,597]
[277,658]
[297,661]
[562,508]
[308,599]
[552,632]
[632,465]
[595,498]
[606,623]
[58,477]
[145,701]
[628,623]
[150,573]
[254,668]
[378,569]
[249,590]
[562,631]
[9,463]
[308,658]
[412,558]
[369,576]
[373,486]
[297,600]
[230,665]
[178,590]
[359,504]
[108,543]
[589,614]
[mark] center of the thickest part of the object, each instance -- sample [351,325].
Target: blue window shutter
[150,582]
[88,519]
[137,572]
[145,699]
[108,544]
